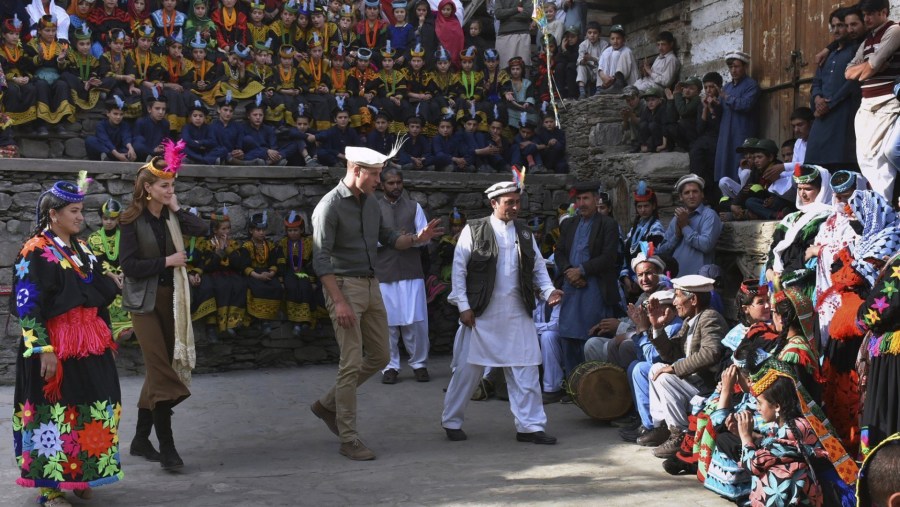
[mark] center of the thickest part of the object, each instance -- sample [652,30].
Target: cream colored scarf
[185,355]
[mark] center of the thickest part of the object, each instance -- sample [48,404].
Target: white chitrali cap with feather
[368,157]
[502,187]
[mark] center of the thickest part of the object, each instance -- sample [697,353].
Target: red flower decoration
[74,467]
[27,413]
[95,439]
[71,415]
[70,446]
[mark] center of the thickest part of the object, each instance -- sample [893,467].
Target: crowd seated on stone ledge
[307,80]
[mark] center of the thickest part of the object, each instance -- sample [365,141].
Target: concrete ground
[249,439]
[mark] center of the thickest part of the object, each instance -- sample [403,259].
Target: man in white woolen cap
[347,228]
[691,358]
[497,270]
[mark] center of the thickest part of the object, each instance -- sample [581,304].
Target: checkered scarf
[880,237]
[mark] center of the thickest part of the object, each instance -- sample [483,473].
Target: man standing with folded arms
[347,229]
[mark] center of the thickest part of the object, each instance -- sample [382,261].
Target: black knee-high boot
[141,445]
[162,420]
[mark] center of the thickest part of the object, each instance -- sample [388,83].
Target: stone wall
[705,31]
[244,190]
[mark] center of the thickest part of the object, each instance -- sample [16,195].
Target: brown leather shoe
[421,375]
[357,451]
[671,446]
[655,437]
[327,416]
[389,376]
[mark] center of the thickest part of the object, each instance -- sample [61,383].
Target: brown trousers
[370,334]
[155,332]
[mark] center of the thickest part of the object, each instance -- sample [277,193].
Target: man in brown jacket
[691,360]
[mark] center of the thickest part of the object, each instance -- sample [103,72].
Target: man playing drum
[497,268]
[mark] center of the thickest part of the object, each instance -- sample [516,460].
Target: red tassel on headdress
[797,171]
[173,154]
[651,249]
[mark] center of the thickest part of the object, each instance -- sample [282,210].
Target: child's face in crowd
[414,128]
[447,10]
[334,6]
[381,125]
[83,47]
[293,233]
[258,234]
[549,123]
[229,3]
[11,38]
[260,57]
[467,65]
[632,101]
[766,409]
[710,89]
[653,102]
[316,52]
[416,63]
[223,229]
[475,29]
[644,209]
[400,15]
[616,40]
[445,128]
[48,34]
[200,10]
[344,23]
[496,128]
[140,5]
[471,126]
[302,21]
[526,133]
[342,119]
[362,65]
[115,116]
[491,65]
[255,117]
[302,123]
[198,54]
[144,44]
[197,118]
[421,11]
[257,15]
[762,160]
[109,223]
[288,18]
[285,62]
[443,66]
[689,91]
[787,152]
[175,50]
[168,5]
[372,13]
[83,8]
[593,35]
[571,39]
[318,19]
[117,46]
[550,11]
[515,71]
[157,111]
[387,64]
[226,113]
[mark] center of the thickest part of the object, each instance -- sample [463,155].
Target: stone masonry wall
[704,29]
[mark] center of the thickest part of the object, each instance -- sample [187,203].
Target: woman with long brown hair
[157,292]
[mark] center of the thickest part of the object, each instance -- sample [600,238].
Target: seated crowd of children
[234,283]
[310,79]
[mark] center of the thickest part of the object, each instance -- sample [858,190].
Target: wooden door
[782,37]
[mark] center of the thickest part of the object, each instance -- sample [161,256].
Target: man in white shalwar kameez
[495,277]
[402,281]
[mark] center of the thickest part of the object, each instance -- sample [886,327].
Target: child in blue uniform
[335,140]
[229,134]
[112,139]
[415,155]
[150,130]
[259,139]
[201,146]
